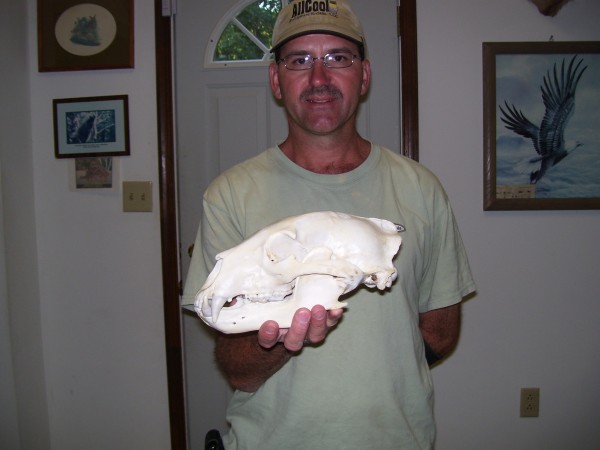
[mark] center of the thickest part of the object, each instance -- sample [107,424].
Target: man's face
[320,100]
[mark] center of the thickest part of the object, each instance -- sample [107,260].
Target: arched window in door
[243,35]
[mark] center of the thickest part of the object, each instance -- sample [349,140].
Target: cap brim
[304,33]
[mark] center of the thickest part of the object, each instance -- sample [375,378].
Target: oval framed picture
[76,35]
[86,29]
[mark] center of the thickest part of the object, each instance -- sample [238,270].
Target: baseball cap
[300,17]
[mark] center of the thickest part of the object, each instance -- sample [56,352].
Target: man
[349,379]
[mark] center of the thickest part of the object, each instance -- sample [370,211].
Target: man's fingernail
[320,315]
[304,316]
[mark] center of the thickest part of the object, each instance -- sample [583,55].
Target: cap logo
[312,7]
[301,17]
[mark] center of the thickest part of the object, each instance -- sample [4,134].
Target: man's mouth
[321,95]
[319,100]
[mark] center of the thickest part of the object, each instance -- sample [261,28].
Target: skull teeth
[215,307]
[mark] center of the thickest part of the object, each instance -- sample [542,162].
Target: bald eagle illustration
[558,95]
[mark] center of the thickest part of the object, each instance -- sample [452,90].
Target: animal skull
[300,261]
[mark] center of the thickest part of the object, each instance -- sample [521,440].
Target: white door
[227,114]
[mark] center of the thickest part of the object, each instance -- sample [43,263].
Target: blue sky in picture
[518,81]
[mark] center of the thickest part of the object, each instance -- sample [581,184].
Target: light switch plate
[137,196]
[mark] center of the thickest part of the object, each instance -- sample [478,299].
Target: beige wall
[83,278]
[534,321]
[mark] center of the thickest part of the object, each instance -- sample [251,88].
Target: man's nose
[319,73]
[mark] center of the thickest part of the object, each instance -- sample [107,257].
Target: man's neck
[327,154]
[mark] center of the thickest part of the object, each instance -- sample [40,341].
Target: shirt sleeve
[447,277]
[218,231]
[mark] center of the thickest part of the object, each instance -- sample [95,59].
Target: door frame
[409,126]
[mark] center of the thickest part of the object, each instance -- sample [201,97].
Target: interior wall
[83,278]
[23,406]
[9,429]
[534,321]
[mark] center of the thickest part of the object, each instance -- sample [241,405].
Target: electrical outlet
[137,196]
[530,402]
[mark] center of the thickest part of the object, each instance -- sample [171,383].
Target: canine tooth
[216,307]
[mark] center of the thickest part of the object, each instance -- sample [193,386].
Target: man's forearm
[440,329]
[245,364]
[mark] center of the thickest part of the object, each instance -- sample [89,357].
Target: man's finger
[268,334]
[294,339]
[318,325]
[334,316]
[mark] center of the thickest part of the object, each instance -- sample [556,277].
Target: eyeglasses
[337,60]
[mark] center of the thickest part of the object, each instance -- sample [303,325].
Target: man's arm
[440,329]
[248,360]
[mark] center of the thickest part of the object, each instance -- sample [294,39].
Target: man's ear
[274,81]
[366,81]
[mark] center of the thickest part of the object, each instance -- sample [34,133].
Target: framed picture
[91,126]
[94,174]
[541,107]
[78,35]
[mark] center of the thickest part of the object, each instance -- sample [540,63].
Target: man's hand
[248,360]
[308,327]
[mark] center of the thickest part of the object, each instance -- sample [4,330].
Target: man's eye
[338,57]
[299,60]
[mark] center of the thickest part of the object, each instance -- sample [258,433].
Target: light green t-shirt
[368,386]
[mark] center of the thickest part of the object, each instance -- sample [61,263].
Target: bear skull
[300,261]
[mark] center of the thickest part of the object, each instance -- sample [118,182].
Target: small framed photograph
[77,35]
[541,125]
[94,174]
[91,126]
